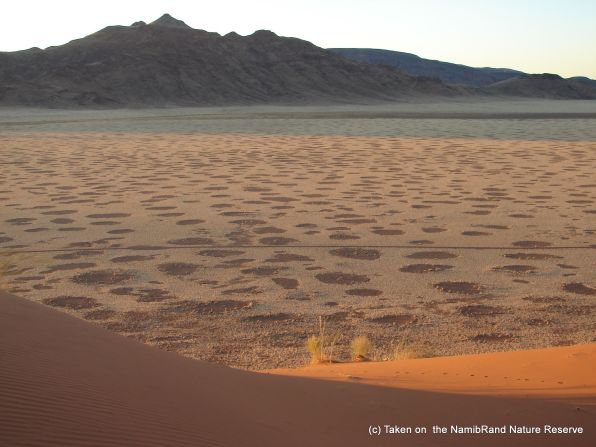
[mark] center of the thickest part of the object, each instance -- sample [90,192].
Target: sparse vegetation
[6,267]
[314,345]
[405,350]
[321,346]
[362,348]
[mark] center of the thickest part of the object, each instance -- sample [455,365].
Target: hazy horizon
[531,36]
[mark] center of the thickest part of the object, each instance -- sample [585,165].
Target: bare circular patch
[66,267]
[286,283]
[425,268]
[62,220]
[72,302]
[131,258]
[277,240]
[475,233]
[432,255]
[105,277]
[531,244]
[264,270]
[152,295]
[343,236]
[364,292]
[579,288]
[356,253]
[191,241]
[190,222]
[107,215]
[268,230]
[177,268]
[220,253]
[289,257]
[121,231]
[516,268]
[105,222]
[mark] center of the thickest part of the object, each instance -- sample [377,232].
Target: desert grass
[361,348]
[403,349]
[321,347]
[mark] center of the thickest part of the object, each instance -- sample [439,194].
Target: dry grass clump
[314,345]
[362,349]
[405,350]
[321,346]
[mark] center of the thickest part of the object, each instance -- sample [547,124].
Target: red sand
[65,382]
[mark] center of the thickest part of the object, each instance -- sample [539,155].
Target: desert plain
[458,237]
[223,234]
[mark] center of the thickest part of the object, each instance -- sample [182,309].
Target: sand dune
[66,382]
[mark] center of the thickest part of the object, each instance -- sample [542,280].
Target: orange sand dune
[549,373]
[66,382]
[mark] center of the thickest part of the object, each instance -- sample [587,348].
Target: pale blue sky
[536,36]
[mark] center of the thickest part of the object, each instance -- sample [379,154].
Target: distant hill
[584,80]
[544,86]
[168,63]
[417,66]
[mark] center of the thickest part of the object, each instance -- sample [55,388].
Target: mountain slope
[543,86]
[417,66]
[584,80]
[168,63]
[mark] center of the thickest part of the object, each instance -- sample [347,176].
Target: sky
[535,36]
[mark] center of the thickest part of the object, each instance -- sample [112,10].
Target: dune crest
[66,382]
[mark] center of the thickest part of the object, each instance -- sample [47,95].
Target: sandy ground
[66,382]
[225,244]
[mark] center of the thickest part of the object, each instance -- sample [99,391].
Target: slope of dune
[65,382]
[554,372]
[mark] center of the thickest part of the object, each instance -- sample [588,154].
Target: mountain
[417,66]
[544,86]
[167,62]
[584,80]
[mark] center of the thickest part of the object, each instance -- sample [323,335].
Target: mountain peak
[169,21]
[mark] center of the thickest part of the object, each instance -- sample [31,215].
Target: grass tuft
[321,346]
[314,345]
[362,348]
[404,350]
